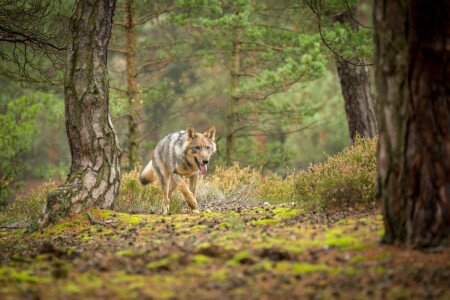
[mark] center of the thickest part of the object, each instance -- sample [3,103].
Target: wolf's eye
[208,147]
[197,148]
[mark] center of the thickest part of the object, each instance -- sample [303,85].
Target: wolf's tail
[148,175]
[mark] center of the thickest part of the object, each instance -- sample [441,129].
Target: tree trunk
[412,71]
[94,176]
[233,98]
[132,88]
[355,87]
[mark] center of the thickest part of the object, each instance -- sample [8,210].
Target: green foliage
[341,30]
[17,128]
[346,179]
[274,57]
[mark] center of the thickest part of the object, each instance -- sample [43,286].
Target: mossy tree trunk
[412,75]
[132,87]
[355,87]
[93,180]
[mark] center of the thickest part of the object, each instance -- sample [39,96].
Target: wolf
[180,155]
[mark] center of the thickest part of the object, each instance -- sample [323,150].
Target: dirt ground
[264,252]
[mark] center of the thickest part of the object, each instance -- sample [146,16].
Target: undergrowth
[343,180]
[346,179]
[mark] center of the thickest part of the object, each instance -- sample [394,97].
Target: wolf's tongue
[203,168]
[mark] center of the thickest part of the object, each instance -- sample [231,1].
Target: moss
[211,215]
[285,213]
[86,238]
[379,269]
[239,258]
[127,252]
[164,263]
[71,288]
[264,222]
[201,259]
[9,274]
[220,275]
[234,220]
[336,238]
[197,228]
[350,271]
[357,259]
[261,266]
[346,222]
[225,225]
[132,220]
[303,268]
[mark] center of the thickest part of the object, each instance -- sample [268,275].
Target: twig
[92,220]
[16,225]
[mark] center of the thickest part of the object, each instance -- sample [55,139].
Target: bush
[27,209]
[346,179]
[232,178]
[234,181]
[275,189]
[137,198]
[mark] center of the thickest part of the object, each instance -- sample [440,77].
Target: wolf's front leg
[193,183]
[188,195]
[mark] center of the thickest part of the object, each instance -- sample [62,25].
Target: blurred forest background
[264,72]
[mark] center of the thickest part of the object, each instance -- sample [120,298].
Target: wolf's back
[167,153]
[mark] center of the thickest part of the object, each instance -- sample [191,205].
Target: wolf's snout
[205,161]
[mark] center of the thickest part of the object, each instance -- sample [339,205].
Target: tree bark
[132,87]
[412,62]
[93,180]
[355,87]
[233,98]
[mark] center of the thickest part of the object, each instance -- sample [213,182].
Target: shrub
[346,179]
[137,198]
[228,179]
[273,188]
[27,209]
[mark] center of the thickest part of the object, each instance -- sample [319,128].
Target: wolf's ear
[191,134]
[211,133]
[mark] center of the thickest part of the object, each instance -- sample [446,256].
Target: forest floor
[268,252]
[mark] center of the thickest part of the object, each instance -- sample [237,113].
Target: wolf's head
[200,146]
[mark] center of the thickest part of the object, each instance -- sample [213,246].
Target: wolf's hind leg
[166,194]
[188,195]
[172,187]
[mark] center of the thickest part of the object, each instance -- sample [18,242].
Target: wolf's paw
[195,211]
[165,210]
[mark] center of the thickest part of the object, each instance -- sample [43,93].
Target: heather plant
[343,180]
[137,198]
[231,178]
[275,189]
[26,210]
[346,179]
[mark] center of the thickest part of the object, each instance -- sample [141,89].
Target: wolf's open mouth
[202,167]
